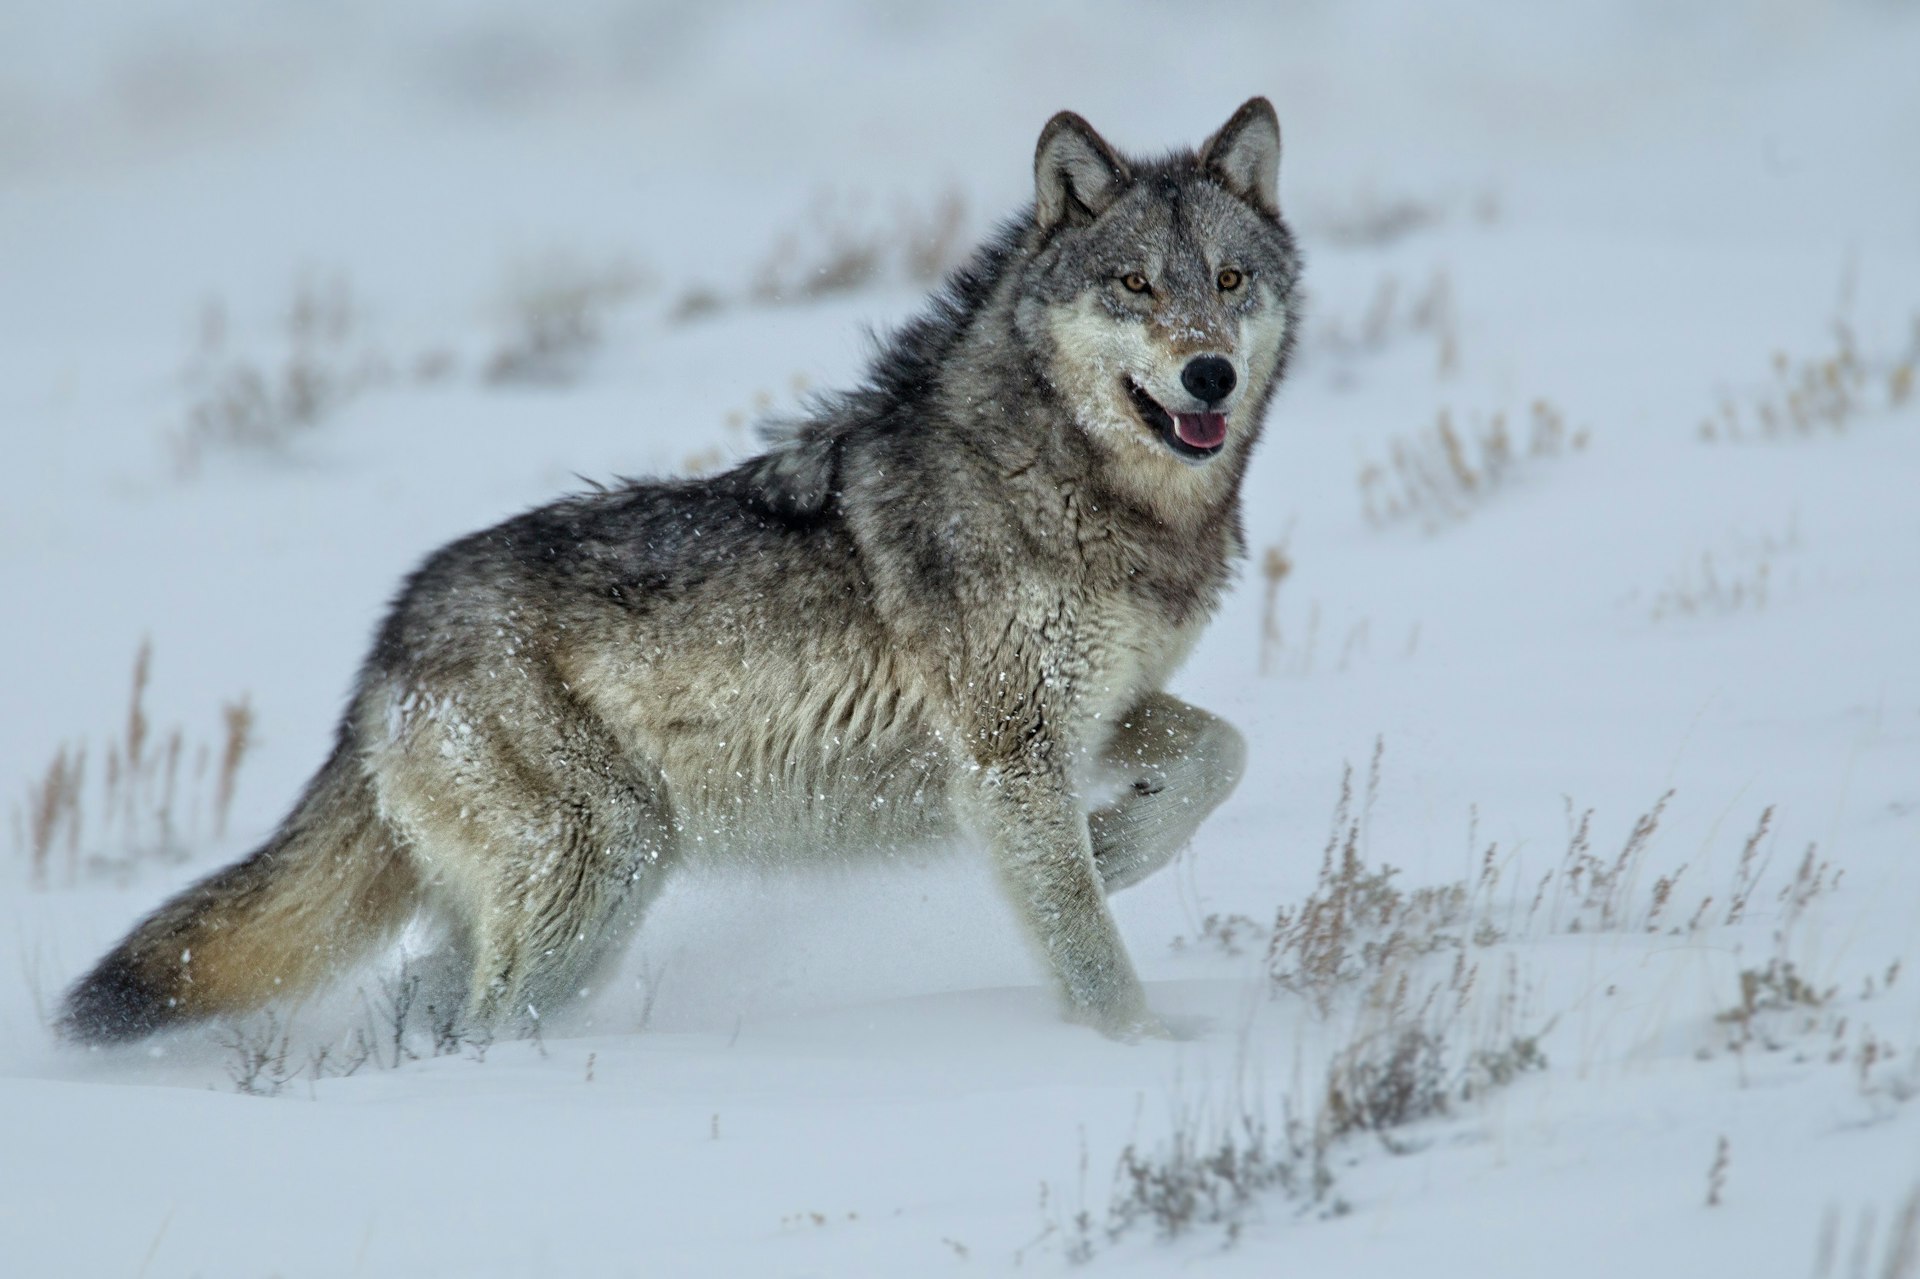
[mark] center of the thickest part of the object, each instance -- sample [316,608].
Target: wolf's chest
[1126,648]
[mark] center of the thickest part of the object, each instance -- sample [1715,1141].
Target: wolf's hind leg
[561,915]
[539,838]
[1178,763]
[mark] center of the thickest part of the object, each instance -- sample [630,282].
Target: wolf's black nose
[1208,378]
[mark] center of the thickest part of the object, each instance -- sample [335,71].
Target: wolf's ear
[1245,155]
[1075,173]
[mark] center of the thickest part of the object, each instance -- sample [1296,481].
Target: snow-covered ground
[1686,570]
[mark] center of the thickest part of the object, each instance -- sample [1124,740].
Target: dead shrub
[262,400]
[1897,1256]
[1775,1004]
[1210,1171]
[1357,929]
[1823,394]
[556,311]
[1275,565]
[842,244]
[1394,314]
[1599,893]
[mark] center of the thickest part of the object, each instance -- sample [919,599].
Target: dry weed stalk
[1598,892]
[1776,1004]
[1812,876]
[1228,934]
[262,402]
[1711,593]
[1740,579]
[1275,565]
[1442,474]
[557,310]
[1824,394]
[1357,930]
[238,718]
[1371,220]
[841,246]
[1717,1172]
[1752,865]
[1427,312]
[53,807]
[1899,1259]
[1364,943]
[139,792]
[1209,1172]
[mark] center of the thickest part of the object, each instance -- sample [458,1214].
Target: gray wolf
[943,605]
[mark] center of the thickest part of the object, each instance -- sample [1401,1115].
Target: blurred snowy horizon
[368,128]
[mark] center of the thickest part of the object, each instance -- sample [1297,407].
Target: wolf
[942,606]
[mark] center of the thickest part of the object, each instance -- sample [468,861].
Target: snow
[1633,208]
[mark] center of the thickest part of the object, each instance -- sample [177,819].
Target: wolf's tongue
[1201,430]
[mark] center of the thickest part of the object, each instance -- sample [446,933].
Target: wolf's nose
[1209,378]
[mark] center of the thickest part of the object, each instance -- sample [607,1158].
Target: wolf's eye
[1135,282]
[1228,280]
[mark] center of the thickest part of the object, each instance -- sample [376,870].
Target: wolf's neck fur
[914,384]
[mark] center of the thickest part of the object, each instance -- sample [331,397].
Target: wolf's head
[1159,296]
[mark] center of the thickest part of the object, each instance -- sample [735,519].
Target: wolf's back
[329,884]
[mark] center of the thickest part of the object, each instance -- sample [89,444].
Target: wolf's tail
[331,884]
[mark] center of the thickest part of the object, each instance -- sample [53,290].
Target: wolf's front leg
[1038,837]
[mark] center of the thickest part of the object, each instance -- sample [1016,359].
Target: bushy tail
[331,884]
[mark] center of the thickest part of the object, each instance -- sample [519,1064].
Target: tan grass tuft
[139,793]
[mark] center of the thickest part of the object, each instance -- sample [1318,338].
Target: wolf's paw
[1133,1028]
[1187,1026]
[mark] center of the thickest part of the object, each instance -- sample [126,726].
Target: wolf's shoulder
[797,477]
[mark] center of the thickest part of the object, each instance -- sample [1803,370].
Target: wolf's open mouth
[1195,436]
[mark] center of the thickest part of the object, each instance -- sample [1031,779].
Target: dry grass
[1717,1171]
[138,812]
[1398,964]
[1403,1074]
[1739,580]
[398,1023]
[1710,591]
[556,310]
[1443,474]
[1593,892]
[1226,934]
[1374,219]
[262,400]
[259,1053]
[1827,393]
[1596,893]
[1275,565]
[320,355]
[1776,1004]
[1394,314]
[1208,1172]
[1870,1255]
[1358,931]
[843,244]
[1420,1035]
[1219,1163]
[1295,650]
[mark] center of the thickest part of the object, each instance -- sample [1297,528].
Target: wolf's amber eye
[1228,280]
[1135,282]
